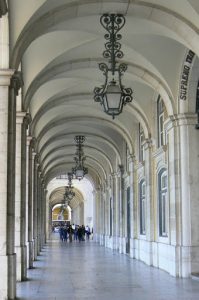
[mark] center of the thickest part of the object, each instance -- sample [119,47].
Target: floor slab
[85,270]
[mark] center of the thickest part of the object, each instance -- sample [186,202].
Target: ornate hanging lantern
[79,171]
[69,193]
[113,95]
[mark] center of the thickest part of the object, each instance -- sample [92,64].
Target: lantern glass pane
[79,173]
[113,97]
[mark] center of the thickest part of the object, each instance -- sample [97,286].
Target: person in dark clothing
[70,233]
[61,233]
[65,234]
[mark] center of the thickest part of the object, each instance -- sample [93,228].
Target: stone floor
[80,271]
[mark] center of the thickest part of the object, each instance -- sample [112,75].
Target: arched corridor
[99,127]
[80,271]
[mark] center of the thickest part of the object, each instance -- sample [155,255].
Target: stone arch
[156,13]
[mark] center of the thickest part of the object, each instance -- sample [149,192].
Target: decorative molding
[140,165]
[148,144]
[181,119]
[20,115]
[160,151]
[5,75]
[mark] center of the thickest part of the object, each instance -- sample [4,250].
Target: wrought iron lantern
[113,95]
[79,171]
[69,193]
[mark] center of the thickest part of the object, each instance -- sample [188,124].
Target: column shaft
[30,205]
[35,182]
[13,91]
[18,195]
[5,76]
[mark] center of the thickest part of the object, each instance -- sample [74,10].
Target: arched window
[141,143]
[162,189]
[142,207]
[160,122]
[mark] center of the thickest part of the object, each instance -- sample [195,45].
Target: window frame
[142,205]
[160,121]
[141,144]
[163,203]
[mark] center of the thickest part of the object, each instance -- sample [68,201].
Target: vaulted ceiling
[58,45]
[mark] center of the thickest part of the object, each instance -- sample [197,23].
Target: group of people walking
[74,232]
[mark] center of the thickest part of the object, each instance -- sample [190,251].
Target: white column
[49,221]
[28,140]
[31,155]
[35,196]
[115,209]
[131,160]
[189,165]
[16,83]
[18,249]
[121,210]
[149,202]
[174,222]
[99,215]
[46,215]
[24,194]
[5,76]
[95,214]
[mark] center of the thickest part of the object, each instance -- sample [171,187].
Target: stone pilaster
[189,177]
[31,155]
[5,76]
[95,211]
[99,217]
[131,160]
[35,194]
[16,83]
[46,216]
[114,209]
[173,162]
[43,215]
[149,202]
[18,199]
[148,180]
[50,220]
[24,197]
[121,209]
[39,210]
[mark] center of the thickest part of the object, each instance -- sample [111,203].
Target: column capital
[120,171]
[28,140]
[16,81]
[131,158]
[5,75]
[148,143]
[114,175]
[20,117]
[34,154]
[180,120]
[42,182]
